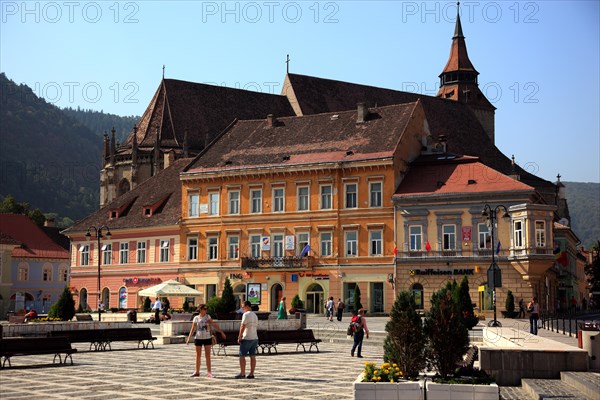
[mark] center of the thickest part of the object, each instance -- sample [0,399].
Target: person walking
[521,309]
[156,307]
[248,340]
[329,305]
[534,314]
[202,325]
[340,309]
[281,311]
[359,329]
[166,306]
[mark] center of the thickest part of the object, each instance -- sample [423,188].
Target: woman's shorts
[248,347]
[202,342]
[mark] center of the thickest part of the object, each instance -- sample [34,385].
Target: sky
[538,60]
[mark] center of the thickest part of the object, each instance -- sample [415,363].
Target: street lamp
[98,236]
[494,273]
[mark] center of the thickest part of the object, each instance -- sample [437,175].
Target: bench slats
[10,347]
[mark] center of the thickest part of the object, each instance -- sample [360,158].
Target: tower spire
[458,33]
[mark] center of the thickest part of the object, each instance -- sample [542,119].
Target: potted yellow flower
[386,381]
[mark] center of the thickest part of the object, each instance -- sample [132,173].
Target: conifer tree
[228,299]
[357,304]
[64,308]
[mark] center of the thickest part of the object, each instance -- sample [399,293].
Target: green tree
[463,298]
[214,307]
[10,206]
[296,302]
[64,308]
[448,336]
[229,300]
[405,340]
[357,304]
[592,270]
[510,302]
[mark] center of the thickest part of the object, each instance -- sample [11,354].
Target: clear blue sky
[538,60]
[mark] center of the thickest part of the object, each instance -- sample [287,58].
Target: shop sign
[314,275]
[135,280]
[466,233]
[236,276]
[253,293]
[446,272]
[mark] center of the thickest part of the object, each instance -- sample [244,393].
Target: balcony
[275,262]
[448,255]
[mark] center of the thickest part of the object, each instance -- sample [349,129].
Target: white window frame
[255,202]
[303,202]
[375,197]
[518,234]
[63,274]
[233,244]
[124,253]
[448,237]
[325,243]
[107,254]
[213,203]
[375,244]
[165,246]
[192,245]
[325,199]
[255,245]
[278,245]
[302,238]
[193,204]
[351,197]
[234,202]
[212,248]
[47,273]
[140,255]
[540,234]
[484,237]
[278,200]
[23,273]
[417,244]
[351,243]
[85,254]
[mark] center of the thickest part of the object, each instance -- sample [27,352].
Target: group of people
[161,306]
[332,307]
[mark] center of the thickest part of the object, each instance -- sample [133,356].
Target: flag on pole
[498,247]
[305,251]
[395,250]
[427,246]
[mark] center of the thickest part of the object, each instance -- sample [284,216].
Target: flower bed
[385,382]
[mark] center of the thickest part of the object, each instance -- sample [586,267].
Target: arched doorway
[417,291]
[314,299]
[276,294]
[83,299]
[24,301]
[106,298]
[239,292]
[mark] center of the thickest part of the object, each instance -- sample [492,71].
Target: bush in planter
[228,299]
[388,372]
[463,298]
[405,341]
[296,304]
[64,308]
[448,336]
[147,304]
[214,307]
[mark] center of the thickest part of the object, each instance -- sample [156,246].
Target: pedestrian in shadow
[534,314]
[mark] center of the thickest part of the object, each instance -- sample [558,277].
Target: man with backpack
[359,329]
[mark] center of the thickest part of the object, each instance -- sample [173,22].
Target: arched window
[63,273]
[417,291]
[47,272]
[23,272]
[83,298]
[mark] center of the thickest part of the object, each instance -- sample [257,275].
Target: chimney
[105,149]
[49,223]
[168,158]
[271,121]
[362,112]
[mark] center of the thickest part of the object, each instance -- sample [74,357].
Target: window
[325,244]
[278,200]
[302,242]
[234,248]
[192,248]
[303,197]
[24,273]
[256,199]
[375,194]
[255,246]
[417,292]
[141,252]
[449,233]
[47,273]
[351,239]
[234,202]
[415,233]
[351,195]
[85,254]
[63,274]
[376,243]
[518,233]
[277,245]
[213,246]
[193,200]
[326,197]
[164,251]
[540,233]
[107,254]
[485,239]
[124,253]
[213,203]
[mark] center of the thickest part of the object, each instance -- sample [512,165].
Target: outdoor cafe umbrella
[169,288]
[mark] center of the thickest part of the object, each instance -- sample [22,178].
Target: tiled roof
[34,242]
[7,239]
[444,175]
[57,237]
[459,59]
[204,110]
[165,183]
[320,138]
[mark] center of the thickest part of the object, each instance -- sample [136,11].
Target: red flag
[427,246]
[395,251]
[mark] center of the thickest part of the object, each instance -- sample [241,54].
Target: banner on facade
[265,243]
[289,242]
[253,293]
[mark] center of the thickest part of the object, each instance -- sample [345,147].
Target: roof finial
[557,178]
[458,28]
[287,61]
[163,71]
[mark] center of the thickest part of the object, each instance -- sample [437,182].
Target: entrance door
[314,299]
[485,297]
[276,294]
[106,298]
[239,292]
[377,297]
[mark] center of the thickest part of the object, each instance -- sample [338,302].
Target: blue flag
[498,248]
[305,251]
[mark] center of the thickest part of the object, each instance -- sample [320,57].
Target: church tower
[458,80]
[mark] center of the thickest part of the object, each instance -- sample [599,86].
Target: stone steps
[572,385]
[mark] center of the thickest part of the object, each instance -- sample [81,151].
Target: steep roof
[204,110]
[320,138]
[443,175]
[160,193]
[34,242]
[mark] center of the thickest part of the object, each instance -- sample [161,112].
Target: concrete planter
[445,391]
[387,390]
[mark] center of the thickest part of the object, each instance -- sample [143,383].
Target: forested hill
[99,122]
[48,159]
[584,207]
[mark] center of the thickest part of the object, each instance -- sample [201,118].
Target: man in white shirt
[248,340]
[156,307]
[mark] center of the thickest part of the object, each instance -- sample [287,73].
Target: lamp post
[491,215]
[98,235]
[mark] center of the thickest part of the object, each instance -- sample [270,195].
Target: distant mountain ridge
[100,122]
[584,206]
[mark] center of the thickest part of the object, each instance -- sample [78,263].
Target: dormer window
[147,212]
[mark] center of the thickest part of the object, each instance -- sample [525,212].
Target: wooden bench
[83,317]
[221,344]
[100,339]
[10,347]
[268,340]
[470,358]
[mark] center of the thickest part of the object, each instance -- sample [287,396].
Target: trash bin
[132,316]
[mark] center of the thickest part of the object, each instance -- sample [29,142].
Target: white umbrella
[169,288]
